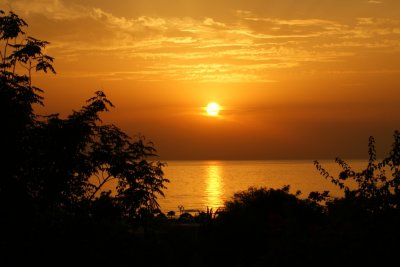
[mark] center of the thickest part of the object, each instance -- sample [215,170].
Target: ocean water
[196,185]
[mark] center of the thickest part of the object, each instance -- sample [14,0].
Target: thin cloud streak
[191,48]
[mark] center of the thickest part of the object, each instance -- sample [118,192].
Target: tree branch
[108,178]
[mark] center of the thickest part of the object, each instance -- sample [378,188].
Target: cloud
[142,23]
[52,9]
[246,47]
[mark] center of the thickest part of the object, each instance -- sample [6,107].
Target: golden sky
[296,79]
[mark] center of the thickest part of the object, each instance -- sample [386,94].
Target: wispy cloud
[52,9]
[245,48]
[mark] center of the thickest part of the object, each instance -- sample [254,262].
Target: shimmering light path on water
[202,184]
[214,190]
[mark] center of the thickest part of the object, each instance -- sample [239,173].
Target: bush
[377,189]
[269,211]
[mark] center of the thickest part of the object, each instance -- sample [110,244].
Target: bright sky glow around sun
[302,79]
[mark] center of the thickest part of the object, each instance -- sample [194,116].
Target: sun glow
[213,109]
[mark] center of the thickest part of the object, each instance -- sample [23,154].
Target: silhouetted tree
[17,97]
[54,166]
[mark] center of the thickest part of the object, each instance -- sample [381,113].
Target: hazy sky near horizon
[297,79]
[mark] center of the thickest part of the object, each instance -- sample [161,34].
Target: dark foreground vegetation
[53,210]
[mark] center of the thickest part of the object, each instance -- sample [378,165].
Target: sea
[198,185]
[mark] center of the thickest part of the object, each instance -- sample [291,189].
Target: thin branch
[15,42]
[109,178]
[5,55]
[98,178]
[30,70]
[23,65]
[1,56]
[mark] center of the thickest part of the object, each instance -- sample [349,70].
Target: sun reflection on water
[214,186]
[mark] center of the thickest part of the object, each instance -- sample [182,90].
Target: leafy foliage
[377,186]
[55,166]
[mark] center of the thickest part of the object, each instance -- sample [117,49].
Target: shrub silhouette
[264,226]
[268,211]
[368,214]
[377,187]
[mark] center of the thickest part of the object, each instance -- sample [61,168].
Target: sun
[213,109]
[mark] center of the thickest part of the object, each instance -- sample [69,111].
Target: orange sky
[296,78]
